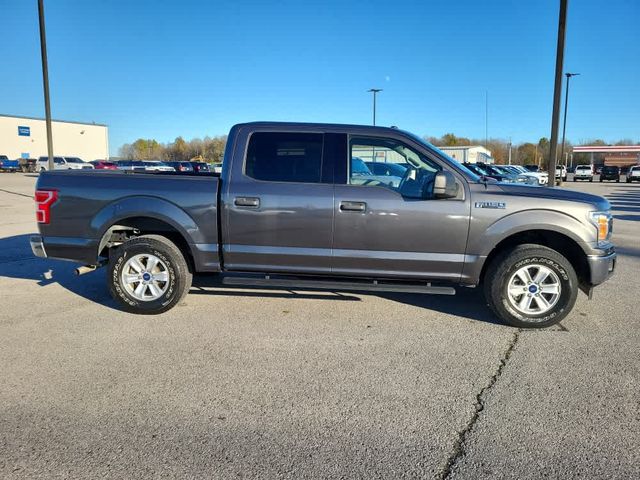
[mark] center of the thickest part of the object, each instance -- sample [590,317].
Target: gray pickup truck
[288,210]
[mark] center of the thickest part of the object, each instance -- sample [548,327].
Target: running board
[370,286]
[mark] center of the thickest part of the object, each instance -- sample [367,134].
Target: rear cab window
[285,157]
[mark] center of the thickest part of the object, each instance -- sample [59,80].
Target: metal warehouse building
[469,153]
[26,137]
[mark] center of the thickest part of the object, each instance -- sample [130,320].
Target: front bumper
[601,267]
[37,246]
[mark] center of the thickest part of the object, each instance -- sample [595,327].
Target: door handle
[251,202]
[353,206]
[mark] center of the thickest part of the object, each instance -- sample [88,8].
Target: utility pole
[375,92]
[557,91]
[45,81]
[564,124]
[509,151]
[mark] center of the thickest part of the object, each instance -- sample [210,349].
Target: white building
[26,137]
[469,153]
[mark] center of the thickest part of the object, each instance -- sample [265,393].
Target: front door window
[387,163]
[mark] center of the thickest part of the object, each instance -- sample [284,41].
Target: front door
[279,206]
[390,225]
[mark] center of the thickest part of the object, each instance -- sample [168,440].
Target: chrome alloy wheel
[145,277]
[534,289]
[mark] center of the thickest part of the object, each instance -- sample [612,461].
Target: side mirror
[445,185]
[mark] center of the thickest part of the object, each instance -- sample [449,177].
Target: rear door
[396,228]
[278,203]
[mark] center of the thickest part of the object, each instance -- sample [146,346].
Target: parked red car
[103,165]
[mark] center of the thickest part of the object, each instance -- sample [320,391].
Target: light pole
[45,81]
[564,123]
[375,92]
[557,92]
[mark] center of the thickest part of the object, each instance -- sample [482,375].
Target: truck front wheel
[148,275]
[531,286]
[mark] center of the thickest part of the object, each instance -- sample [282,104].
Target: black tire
[591,179]
[179,275]
[504,266]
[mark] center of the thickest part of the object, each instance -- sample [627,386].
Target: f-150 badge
[491,205]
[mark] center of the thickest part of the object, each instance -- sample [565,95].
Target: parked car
[217,167]
[131,165]
[583,172]
[609,172]
[64,163]
[485,170]
[103,165]
[181,166]
[561,171]
[541,178]
[285,214]
[634,174]
[200,167]
[388,169]
[28,165]
[361,175]
[157,166]
[7,165]
[598,169]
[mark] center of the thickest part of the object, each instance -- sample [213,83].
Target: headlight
[603,221]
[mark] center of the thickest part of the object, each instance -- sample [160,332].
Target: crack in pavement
[16,193]
[459,444]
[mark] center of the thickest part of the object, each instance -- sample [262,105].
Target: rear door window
[285,157]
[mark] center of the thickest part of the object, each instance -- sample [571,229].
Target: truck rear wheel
[531,286]
[148,275]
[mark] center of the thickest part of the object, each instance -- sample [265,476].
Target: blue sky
[159,69]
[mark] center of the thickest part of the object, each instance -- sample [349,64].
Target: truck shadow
[467,303]
[17,261]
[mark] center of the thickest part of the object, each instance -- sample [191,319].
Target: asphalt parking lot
[302,384]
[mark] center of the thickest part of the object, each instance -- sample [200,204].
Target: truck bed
[91,202]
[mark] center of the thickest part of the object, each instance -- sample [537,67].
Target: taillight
[44,200]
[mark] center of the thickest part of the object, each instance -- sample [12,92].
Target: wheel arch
[146,215]
[564,244]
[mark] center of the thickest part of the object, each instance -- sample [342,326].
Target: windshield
[429,146]
[476,169]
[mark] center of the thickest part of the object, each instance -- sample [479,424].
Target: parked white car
[583,172]
[561,170]
[157,166]
[633,175]
[63,163]
[542,178]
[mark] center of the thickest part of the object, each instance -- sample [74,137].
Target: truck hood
[599,203]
